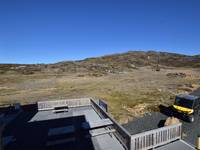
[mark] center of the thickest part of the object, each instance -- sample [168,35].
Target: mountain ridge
[113,63]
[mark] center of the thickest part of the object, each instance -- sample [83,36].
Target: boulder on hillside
[176,75]
[171,121]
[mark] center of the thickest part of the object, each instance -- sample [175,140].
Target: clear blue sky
[47,31]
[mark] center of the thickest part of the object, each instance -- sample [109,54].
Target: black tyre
[191,118]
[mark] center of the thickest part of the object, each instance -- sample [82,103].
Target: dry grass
[129,94]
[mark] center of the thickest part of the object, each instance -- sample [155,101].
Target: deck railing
[143,141]
[48,105]
[120,133]
[155,138]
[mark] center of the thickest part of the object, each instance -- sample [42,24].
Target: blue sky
[47,31]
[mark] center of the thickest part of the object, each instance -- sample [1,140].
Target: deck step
[100,132]
[98,124]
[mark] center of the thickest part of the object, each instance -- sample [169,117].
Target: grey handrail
[154,138]
[48,105]
[121,134]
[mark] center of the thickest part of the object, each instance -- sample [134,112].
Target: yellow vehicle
[186,107]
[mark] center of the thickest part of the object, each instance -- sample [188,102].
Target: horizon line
[99,56]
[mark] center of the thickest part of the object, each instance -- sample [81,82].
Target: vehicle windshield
[184,102]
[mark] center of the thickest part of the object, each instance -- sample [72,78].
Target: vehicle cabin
[187,106]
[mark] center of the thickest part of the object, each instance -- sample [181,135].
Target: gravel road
[156,120]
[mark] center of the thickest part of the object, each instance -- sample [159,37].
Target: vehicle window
[184,102]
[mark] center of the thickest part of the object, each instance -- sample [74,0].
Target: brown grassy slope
[125,80]
[128,94]
[107,64]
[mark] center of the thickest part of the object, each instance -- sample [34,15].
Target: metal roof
[188,97]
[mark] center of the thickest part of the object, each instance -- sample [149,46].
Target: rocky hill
[107,64]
